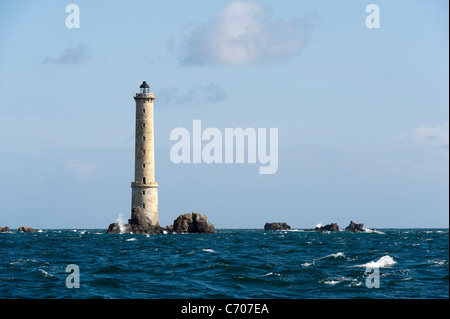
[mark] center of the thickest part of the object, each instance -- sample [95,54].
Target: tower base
[144,204]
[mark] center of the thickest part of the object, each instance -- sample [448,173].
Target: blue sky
[362,114]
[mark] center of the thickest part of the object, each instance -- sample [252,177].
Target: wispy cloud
[198,94]
[72,55]
[437,136]
[243,32]
[79,169]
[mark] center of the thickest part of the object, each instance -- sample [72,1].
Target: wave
[368,230]
[45,274]
[337,255]
[332,282]
[438,262]
[350,282]
[209,250]
[270,274]
[384,261]
[131,239]
[120,220]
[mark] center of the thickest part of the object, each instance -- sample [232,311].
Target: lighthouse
[144,188]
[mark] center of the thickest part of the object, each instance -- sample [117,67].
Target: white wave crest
[209,250]
[131,239]
[368,230]
[45,274]
[270,274]
[331,282]
[121,222]
[337,255]
[384,261]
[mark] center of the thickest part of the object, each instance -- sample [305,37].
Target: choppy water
[412,263]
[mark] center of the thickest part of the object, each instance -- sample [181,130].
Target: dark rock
[329,227]
[139,224]
[276,226]
[202,225]
[150,229]
[193,223]
[355,227]
[168,229]
[117,228]
[184,224]
[25,229]
[4,229]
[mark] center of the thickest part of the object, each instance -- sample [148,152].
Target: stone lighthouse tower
[144,195]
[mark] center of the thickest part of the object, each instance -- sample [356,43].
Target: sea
[230,264]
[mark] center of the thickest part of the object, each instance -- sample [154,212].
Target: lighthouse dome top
[144,85]
[144,88]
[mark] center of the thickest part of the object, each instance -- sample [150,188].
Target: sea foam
[384,261]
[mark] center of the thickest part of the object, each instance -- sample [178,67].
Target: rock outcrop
[137,224]
[140,224]
[25,229]
[334,227]
[276,226]
[118,228]
[355,227]
[186,223]
[329,227]
[4,229]
[192,223]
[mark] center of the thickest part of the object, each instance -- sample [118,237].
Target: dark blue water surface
[412,263]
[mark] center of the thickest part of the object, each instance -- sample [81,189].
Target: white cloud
[71,55]
[79,169]
[437,136]
[243,32]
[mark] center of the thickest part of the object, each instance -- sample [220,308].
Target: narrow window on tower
[143,124]
[143,110]
[143,138]
[143,192]
[143,165]
[143,151]
[143,180]
[143,205]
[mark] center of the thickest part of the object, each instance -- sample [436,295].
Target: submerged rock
[25,229]
[355,227]
[276,226]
